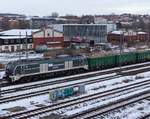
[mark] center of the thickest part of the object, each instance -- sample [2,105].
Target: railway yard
[104,94]
[75,59]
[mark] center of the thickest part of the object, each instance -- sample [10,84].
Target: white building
[100,20]
[16,40]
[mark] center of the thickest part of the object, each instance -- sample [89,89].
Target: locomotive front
[9,71]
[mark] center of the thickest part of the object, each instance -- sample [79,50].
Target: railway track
[75,78]
[95,112]
[53,82]
[45,91]
[145,117]
[5,99]
[82,99]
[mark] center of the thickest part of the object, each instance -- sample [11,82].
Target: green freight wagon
[116,60]
[143,56]
[127,58]
[102,62]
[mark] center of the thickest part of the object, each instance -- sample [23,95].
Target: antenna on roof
[52,31]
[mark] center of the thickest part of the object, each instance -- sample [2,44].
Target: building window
[1,42]
[6,47]
[24,46]
[30,40]
[18,47]
[6,41]
[30,46]
[18,41]
[25,40]
[12,41]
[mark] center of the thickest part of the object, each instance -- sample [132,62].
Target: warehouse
[90,32]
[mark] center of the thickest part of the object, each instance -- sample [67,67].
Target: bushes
[2,66]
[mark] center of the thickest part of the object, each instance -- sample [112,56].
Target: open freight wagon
[116,60]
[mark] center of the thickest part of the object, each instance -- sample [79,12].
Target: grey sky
[76,7]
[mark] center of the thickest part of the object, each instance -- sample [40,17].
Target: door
[43,68]
[12,49]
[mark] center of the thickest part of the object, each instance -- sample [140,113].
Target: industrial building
[90,32]
[40,22]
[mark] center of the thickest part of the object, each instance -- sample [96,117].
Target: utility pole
[148,33]
[44,33]
[0,87]
[53,34]
[121,50]
[148,39]
[26,45]
[19,46]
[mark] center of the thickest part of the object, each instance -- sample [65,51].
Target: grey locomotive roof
[28,61]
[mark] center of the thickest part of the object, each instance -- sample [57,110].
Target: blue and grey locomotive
[30,69]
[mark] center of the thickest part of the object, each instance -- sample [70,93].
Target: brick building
[50,38]
[128,37]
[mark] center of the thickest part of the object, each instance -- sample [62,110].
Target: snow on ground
[45,97]
[92,88]
[6,57]
[132,111]
[99,103]
[117,82]
[29,103]
[56,79]
[53,86]
[101,85]
[2,74]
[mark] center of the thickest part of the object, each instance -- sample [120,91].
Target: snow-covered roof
[16,32]
[117,32]
[12,37]
[141,32]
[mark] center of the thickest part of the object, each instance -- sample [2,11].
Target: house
[16,40]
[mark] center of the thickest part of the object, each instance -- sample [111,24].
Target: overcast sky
[75,7]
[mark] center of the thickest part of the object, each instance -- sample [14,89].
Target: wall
[49,37]
[50,42]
